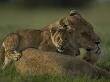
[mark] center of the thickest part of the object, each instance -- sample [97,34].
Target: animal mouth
[60,49]
[96,50]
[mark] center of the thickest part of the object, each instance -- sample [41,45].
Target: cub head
[79,31]
[60,37]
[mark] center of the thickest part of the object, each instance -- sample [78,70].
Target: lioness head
[78,30]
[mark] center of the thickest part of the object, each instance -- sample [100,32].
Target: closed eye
[85,34]
[65,25]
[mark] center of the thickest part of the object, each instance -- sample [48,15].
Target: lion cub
[15,42]
[45,39]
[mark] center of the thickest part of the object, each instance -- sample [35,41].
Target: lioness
[45,39]
[82,34]
[35,62]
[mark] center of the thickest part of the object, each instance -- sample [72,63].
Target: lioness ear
[71,29]
[74,12]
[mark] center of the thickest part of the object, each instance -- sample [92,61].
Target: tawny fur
[36,62]
[20,40]
[71,32]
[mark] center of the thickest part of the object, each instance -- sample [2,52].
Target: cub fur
[46,40]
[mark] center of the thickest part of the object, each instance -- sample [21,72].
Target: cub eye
[65,25]
[58,39]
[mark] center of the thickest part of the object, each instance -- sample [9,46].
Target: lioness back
[37,62]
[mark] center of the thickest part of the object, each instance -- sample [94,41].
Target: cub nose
[97,42]
[61,47]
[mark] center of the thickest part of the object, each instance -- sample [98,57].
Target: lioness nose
[97,42]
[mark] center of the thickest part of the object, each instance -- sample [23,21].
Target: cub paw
[16,56]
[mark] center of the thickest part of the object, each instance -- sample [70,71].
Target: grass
[10,75]
[13,19]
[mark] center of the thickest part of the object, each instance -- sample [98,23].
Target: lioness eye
[85,34]
[65,39]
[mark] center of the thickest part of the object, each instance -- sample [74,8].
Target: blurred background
[20,14]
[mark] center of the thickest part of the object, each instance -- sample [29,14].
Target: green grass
[11,20]
[10,75]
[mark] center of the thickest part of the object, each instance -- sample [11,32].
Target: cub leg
[10,44]
[6,62]
[9,57]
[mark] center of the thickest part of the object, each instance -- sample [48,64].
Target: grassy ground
[11,20]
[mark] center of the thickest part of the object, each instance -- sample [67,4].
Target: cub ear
[52,30]
[74,12]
